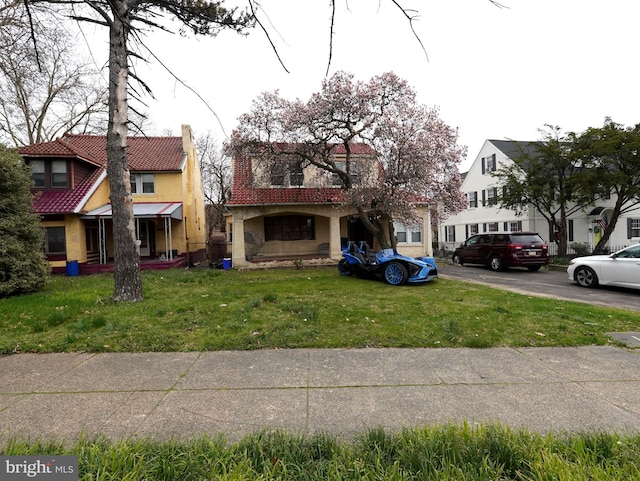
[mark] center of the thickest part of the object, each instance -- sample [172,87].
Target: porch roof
[141,210]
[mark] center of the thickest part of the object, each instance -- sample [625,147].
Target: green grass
[206,309]
[202,309]
[450,452]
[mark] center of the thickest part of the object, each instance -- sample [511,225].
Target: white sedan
[622,269]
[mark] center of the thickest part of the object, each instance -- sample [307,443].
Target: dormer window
[49,175]
[38,175]
[59,173]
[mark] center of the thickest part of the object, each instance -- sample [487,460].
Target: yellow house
[300,212]
[71,194]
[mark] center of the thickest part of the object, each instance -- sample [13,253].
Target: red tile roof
[145,154]
[65,201]
[150,154]
[243,194]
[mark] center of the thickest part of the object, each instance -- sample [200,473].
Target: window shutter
[493,158]
[466,231]
[484,198]
[505,227]
[629,228]
[571,230]
[483,166]
[484,227]
[519,226]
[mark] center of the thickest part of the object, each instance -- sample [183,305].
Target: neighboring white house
[483,213]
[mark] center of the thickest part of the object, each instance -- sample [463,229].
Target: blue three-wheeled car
[386,264]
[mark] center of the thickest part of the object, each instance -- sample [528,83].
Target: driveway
[545,282]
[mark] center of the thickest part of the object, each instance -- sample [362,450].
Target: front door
[144,236]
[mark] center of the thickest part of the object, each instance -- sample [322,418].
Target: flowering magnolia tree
[416,153]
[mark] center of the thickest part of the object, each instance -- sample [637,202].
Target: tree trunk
[606,233]
[127,280]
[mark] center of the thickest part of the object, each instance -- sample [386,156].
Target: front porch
[149,263]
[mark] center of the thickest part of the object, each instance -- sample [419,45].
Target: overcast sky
[494,73]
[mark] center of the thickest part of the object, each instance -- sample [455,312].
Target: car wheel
[534,268]
[495,263]
[343,268]
[457,259]
[586,277]
[396,274]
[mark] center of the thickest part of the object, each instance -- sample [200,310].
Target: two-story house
[300,212]
[483,213]
[71,194]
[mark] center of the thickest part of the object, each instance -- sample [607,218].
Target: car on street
[621,269]
[501,250]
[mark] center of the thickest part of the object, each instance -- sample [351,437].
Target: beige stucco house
[300,213]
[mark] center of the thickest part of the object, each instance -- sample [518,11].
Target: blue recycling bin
[226,264]
[73,268]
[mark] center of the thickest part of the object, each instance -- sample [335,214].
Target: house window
[491,227]
[49,174]
[289,227]
[633,228]
[471,229]
[54,241]
[143,184]
[38,175]
[59,173]
[283,175]
[489,164]
[450,233]
[342,166]
[473,199]
[277,175]
[491,197]
[515,226]
[408,235]
[296,175]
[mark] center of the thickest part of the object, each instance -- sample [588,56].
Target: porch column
[238,254]
[334,238]
[428,238]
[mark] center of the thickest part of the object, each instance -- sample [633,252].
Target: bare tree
[43,96]
[215,169]
[128,20]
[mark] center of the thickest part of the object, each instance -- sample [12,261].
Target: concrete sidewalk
[341,391]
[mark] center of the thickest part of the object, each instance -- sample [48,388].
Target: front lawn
[208,309]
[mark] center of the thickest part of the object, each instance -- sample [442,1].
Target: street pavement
[338,391]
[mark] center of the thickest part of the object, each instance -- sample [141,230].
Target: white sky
[494,73]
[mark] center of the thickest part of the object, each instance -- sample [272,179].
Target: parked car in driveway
[501,250]
[622,269]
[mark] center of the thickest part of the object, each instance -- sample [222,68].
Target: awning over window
[141,210]
[596,211]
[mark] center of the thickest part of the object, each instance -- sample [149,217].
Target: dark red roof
[144,153]
[292,195]
[64,201]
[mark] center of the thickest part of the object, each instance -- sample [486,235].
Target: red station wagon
[501,250]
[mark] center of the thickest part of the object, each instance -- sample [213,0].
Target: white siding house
[483,213]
